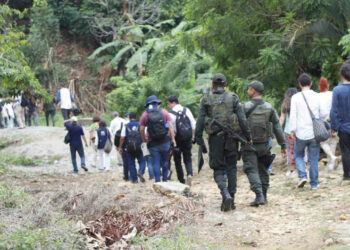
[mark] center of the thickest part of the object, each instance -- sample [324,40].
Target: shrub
[12,197]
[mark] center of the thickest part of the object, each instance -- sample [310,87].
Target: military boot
[226,200]
[259,200]
[233,207]
[265,197]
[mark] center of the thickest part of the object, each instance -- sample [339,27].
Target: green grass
[19,160]
[179,239]
[12,197]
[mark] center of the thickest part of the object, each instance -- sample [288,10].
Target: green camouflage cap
[258,86]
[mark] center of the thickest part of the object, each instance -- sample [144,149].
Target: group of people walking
[235,131]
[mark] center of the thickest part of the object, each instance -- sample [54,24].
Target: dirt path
[293,219]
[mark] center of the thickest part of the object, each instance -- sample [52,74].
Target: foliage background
[115,53]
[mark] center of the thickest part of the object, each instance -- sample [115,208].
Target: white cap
[74,119]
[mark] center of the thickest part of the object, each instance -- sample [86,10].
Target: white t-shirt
[116,124]
[300,120]
[66,101]
[326,103]
[179,108]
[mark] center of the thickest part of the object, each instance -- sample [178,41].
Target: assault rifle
[227,130]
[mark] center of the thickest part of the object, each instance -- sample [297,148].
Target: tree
[272,40]
[15,73]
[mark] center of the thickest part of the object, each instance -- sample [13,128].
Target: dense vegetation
[115,53]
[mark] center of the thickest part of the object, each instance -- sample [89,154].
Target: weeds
[19,160]
[12,197]
[26,237]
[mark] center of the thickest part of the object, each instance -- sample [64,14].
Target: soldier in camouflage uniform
[262,119]
[223,152]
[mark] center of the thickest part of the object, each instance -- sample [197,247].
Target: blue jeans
[73,153]
[159,155]
[125,165]
[313,153]
[132,165]
[150,167]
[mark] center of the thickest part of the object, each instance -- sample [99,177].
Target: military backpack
[220,107]
[258,117]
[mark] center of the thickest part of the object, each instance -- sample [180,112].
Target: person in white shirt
[183,138]
[102,135]
[116,128]
[302,129]
[19,108]
[329,146]
[9,115]
[64,100]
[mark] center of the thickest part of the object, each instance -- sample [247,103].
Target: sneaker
[93,166]
[85,168]
[293,174]
[73,172]
[189,180]
[315,187]
[101,169]
[301,183]
[142,179]
[288,173]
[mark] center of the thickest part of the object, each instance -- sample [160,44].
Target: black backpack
[117,136]
[183,126]
[156,125]
[134,140]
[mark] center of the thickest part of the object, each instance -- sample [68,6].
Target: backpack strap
[173,112]
[184,111]
[251,110]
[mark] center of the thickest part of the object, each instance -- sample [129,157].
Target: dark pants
[224,163]
[125,165]
[344,141]
[183,148]
[256,171]
[65,113]
[132,166]
[47,114]
[73,153]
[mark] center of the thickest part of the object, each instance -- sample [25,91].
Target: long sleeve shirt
[340,113]
[64,96]
[300,119]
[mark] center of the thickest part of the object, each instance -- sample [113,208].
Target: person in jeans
[132,129]
[184,146]
[49,109]
[76,132]
[64,100]
[290,141]
[340,117]
[160,133]
[102,135]
[302,130]
[329,146]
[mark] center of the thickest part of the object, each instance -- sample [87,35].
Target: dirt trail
[293,219]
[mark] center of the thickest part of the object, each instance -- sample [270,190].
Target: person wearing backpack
[184,126]
[224,107]
[130,142]
[76,132]
[102,135]
[160,134]
[262,119]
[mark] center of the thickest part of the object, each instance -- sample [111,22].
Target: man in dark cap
[262,119]
[222,106]
[160,135]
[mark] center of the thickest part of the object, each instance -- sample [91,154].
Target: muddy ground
[293,219]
